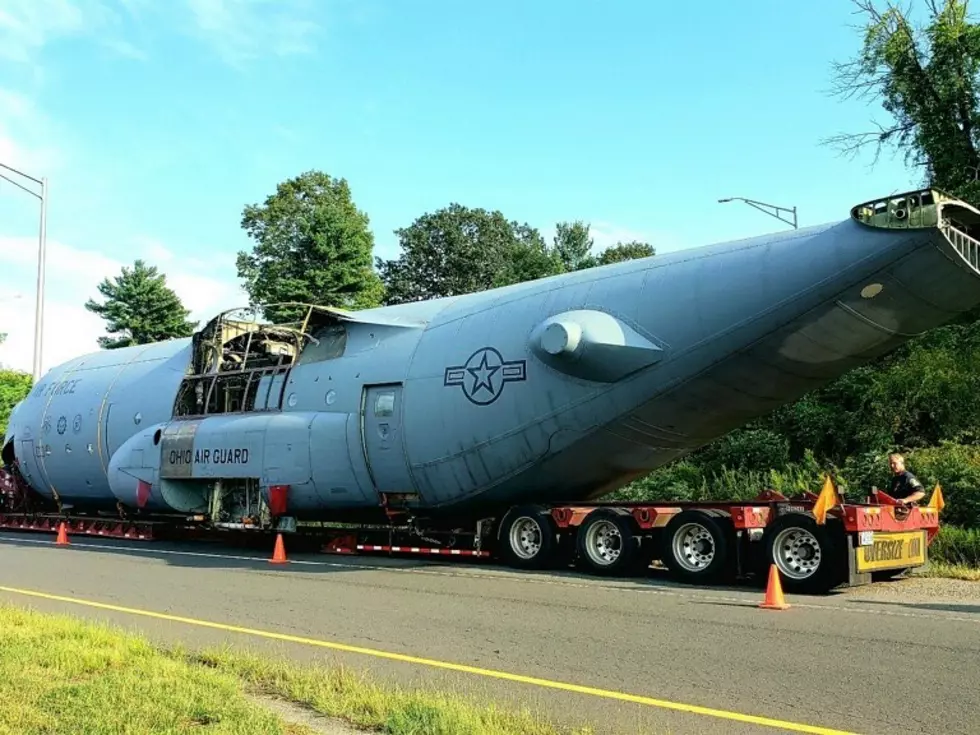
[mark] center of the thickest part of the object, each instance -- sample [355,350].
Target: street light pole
[41,258]
[771,209]
[41,262]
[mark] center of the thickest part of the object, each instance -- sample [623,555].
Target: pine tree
[140,308]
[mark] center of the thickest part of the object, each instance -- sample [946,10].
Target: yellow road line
[563,686]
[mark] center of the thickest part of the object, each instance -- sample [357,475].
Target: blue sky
[156,122]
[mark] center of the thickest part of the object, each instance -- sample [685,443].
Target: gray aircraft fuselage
[559,389]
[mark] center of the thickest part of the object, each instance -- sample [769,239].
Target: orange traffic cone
[774,592]
[62,535]
[279,555]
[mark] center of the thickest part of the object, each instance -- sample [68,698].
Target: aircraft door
[104,454]
[31,465]
[28,459]
[381,432]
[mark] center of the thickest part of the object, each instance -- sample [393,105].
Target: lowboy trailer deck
[698,542]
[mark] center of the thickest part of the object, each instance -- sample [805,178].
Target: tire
[607,544]
[807,555]
[696,547]
[528,538]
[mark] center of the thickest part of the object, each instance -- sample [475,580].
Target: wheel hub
[604,543]
[797,553]
[693,546]
[525,538]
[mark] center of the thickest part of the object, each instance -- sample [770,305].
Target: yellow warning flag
[936,501]
[825,501]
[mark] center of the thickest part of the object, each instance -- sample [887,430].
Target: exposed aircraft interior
[917,209]
[241,364]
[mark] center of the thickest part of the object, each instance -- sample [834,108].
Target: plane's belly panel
[334,480]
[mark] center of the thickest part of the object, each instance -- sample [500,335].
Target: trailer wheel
[606,543]
[528,538]
[804,553]
[695,547]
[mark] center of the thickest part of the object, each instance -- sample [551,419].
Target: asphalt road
[899,658]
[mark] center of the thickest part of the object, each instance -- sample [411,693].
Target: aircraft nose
[932,283]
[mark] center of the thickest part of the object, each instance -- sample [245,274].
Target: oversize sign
[892,551]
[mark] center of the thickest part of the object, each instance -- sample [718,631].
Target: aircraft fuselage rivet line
[461,668]
[708,597]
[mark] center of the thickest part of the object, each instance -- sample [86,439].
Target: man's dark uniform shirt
[904,484]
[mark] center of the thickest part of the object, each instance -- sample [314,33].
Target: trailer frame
[857,544]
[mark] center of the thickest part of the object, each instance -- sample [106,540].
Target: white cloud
[26,136]
[39,146]
[154,251]
[238,30]
[28,26]
[31,142]
[71,277]
[125,48]
[241,30]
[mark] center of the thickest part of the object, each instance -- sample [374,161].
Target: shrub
[955,545]
[955,467]
[752,450]
[680,480]
[687,480]
[14,387]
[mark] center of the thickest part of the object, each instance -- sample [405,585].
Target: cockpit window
[384,404]
[331,341]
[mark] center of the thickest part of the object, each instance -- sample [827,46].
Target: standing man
[905,487]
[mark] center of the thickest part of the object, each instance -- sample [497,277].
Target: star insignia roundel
[483,376]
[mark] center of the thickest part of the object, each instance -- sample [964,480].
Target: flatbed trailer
[698,542]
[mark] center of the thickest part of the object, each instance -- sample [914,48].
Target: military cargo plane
[460,409]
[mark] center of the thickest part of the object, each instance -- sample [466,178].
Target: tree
[926,77]
[458,250]
[312,245]
[141,308]
[622,251]
[573,245]
[14,387]
[528,259]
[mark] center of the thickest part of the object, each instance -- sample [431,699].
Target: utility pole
[41,258]
[771,209]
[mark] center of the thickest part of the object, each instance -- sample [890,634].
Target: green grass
[59,674]
[347,695]
[944,570]
[64,676]
[954,554]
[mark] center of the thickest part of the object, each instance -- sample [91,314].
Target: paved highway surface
[894,659]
